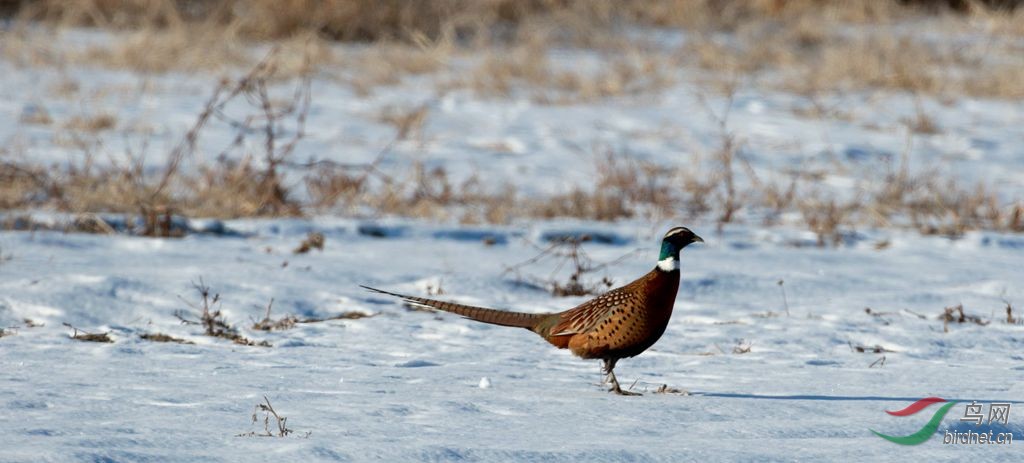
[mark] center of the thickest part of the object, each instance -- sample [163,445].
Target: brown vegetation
[795,44]
[160,337]
[247,184]
[289,321]
[928,201]
[382,20]
[957,315]
[314,240]
[212,320]
[86,336]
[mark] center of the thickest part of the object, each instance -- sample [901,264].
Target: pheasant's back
[621,323]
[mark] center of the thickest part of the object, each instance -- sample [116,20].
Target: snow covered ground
[407,385]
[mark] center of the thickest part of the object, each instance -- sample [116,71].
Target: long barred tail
[480,314]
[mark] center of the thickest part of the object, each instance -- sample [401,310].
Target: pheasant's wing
[588,315]
[480,314]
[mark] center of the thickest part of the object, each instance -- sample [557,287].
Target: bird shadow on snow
[840,398]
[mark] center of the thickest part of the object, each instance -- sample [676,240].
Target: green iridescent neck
[668,260]
[668,250]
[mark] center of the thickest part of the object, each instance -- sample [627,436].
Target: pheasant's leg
[609,365]
[609,369]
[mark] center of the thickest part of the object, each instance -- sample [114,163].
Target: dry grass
[408,122]
[928,201]
[80,335]
[812,52]
[957,315]
[269,324]
[531,71]
[314,240]
[160,337]
[92,123]
[623,187]
[241,182]
[182,48]
[389,20]
[290,321]
[903,63]
[827,218]
[793,43]
[418,192]
[934,203]
[804,45]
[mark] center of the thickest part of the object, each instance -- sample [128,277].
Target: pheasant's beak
[697,239]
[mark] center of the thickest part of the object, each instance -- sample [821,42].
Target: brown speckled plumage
[621,323]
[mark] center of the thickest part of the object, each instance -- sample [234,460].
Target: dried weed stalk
[89,337]
[161,337]
[1010,319]
[268,324]
[289,321]
[957,315]
[280,422]
[211,318]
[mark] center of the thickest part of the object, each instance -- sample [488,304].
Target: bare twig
[785,303]
[911,312]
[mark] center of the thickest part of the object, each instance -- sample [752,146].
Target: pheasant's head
[675,240]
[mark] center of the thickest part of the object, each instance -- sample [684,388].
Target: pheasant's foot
[619,391]
[616,388]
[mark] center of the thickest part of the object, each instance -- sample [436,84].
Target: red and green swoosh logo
[929,428]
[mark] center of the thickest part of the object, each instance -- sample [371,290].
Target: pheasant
[618,324]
